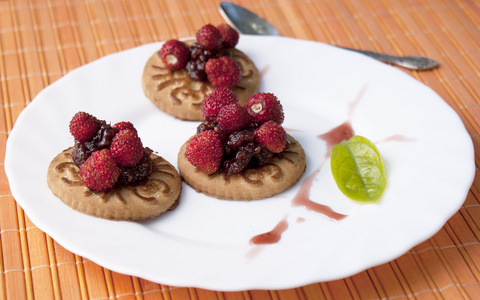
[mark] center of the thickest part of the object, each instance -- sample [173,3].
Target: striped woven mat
[42,40]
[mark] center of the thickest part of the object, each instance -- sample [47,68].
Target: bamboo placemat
[41,40]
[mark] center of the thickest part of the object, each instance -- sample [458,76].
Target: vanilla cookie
[176,93]
[148,198]
[281,172]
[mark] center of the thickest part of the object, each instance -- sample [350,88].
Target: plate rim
[36,219]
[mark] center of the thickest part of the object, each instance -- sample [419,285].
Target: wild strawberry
[263,107]
[99,172]
[126,148]
[229,35]
[233,117]
[272,136]
[205,151]
[209,37]
[124,125]
[83,126]
[215,101]
[175,54]
[223,72]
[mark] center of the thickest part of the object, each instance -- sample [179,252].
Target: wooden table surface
[42,40]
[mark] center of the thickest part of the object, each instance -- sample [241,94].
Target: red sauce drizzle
[270,237]
[397,138]
[338,134]
[302,198]
[264,70]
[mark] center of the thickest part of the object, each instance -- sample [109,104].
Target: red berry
[233,117]
[124,125]
[215,101]
[126,148]
[229,35]
[175,54]
[99,172]
[263,107]
[209,38]
[83,126]
[223,72]
[205,151]
[272,136]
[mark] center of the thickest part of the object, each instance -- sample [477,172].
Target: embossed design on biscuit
[247,72]
[257,176]
[71,169]
[182,88]
[152,186]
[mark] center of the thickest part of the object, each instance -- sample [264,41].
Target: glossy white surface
[204,242]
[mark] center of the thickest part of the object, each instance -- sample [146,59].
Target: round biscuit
[281,173]
[175,93]
[147,199]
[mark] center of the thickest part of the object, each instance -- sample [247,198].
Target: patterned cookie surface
[175,93]
[280,174]
[150,198]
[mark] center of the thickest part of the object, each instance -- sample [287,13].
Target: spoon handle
[248,22]
[410,62]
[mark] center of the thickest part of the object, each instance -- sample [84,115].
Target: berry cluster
[208,58]
[108,155]
[233,137]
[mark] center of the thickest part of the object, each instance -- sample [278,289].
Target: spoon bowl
[245,21]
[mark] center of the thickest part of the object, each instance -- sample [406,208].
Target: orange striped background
[41,40]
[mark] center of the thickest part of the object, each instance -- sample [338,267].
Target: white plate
[205,242]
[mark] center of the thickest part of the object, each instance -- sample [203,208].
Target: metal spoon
[248,22]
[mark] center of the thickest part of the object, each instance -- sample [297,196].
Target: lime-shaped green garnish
[357,168]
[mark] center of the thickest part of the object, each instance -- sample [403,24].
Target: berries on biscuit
[248,140]
[119,143]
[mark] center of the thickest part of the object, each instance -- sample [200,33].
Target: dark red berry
[175,54]
[223,72]
[205,151]
[215,101]
[83,126]
[263,107]
[209,37]
[272,136]
[99,172]
[126,148]
[124,125]
[232,117]
[229,35]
